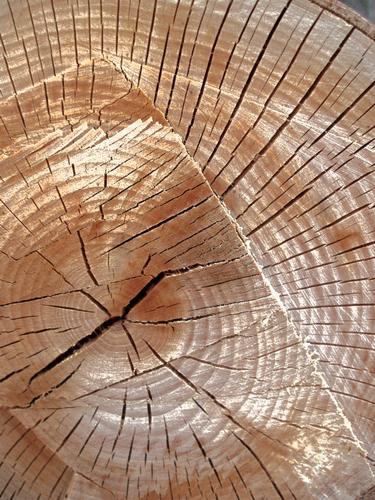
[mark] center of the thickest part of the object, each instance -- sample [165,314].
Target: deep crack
[108,323]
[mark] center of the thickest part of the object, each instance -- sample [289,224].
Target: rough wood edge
[349,15]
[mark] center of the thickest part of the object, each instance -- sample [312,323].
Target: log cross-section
[186,250]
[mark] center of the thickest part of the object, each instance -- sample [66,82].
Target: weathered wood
[186,249]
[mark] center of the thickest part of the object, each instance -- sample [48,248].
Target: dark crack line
[84,341]
[108,323]
[86,260]
[47,393]
[226,412]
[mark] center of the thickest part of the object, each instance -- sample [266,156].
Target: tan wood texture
[186,250]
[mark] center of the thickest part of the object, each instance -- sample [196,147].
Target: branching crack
[108,323]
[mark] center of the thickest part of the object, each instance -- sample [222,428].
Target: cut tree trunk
[186,250]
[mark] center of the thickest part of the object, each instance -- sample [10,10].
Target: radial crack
[105,325]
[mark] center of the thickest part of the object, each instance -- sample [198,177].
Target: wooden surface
[186,250]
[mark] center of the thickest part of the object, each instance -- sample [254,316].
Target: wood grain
[186,246]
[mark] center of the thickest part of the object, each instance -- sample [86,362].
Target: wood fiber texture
[186,250]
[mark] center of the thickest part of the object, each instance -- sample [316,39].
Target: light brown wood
[186,250]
